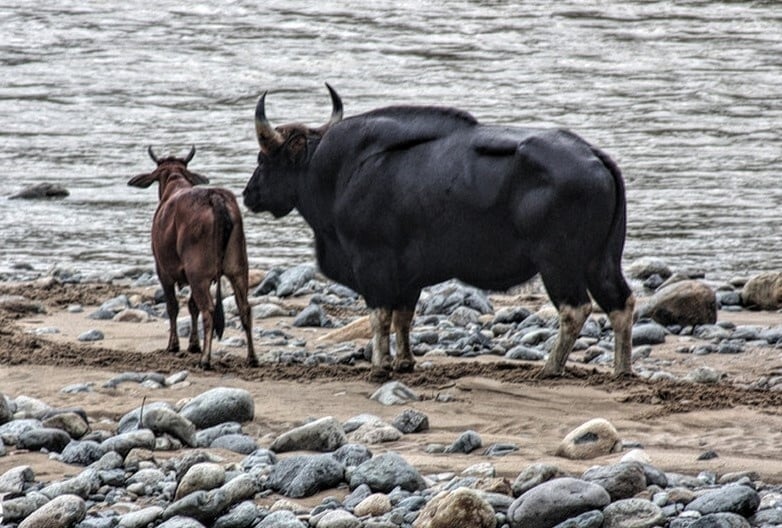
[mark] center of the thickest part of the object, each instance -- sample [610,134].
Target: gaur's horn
[336,106]
[263,129]
[190,155]
[152,155]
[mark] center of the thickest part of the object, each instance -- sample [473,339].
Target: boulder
[763,291]
[684,303]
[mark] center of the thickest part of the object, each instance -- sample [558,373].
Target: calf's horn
[263,129]
[336,106]
[190,155]
[152,155]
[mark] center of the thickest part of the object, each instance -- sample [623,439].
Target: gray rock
[21,507]
[162,420]
[63,511]
[91,335]
[240,516]
[84,484]
[460,507]
[311,316]
[266,310]
[140,518]
[52,440]
[763,291]
[525,353]
[27,407]
[123,443]
[130,421]
[721,520]
[203,506]
[684,303]
[339,519]
[73,423]
[446,297]
[533,475]
[649,333]
[281,519]
[467,442]
[739,499]
[15,479]
[10,431]
[305,475]
[645,267]
[219,405]
[203,476]
[139,377]
[293,279]
[325,434]
[555,501]
[375,433]
[621,481]
[411,421]
[394,393]
[590,519]
[207,436]
[385,472]
[259,458]
[638,513]
[82,453]
[179,521]
[352,454]
[238,443]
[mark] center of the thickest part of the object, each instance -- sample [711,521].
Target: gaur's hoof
[252,362]
[624,375]
[548,374]
[205,366]
[194,349]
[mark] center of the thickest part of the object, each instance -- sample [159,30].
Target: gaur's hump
[443,115]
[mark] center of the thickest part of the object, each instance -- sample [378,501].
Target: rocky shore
[202,460]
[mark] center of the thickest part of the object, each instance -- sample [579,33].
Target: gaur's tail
[616,237]
[224,227]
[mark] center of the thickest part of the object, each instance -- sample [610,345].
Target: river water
[686,96]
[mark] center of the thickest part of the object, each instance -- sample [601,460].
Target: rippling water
[686,96]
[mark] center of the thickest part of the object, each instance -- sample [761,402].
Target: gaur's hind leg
[239,285]
[380,319]
[401,321]
[571,320]
[612,293]
[622,323]
[193,346]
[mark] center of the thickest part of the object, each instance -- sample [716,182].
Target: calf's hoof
[205,365]
[252,362]
[194,349]
[404,366]
[624,375]
[379,375]
[548,373]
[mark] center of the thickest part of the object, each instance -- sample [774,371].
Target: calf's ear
[143,180]
[195,178]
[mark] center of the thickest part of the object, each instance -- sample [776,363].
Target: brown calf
[197,237]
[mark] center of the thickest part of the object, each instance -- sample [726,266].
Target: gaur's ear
[195,178]
[143,180]
[296,148]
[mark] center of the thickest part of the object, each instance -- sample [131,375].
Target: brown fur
[197,237]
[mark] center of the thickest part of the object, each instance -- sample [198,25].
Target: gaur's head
[168,170]
[285,153]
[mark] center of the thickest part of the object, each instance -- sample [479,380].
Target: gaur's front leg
[401,321]
[380,319]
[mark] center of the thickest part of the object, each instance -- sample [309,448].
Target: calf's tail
[224,226]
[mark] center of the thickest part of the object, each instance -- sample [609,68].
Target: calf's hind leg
[172,309]
[239,285]
[193,346]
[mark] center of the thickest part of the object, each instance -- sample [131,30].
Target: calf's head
[170,171]
[285,153]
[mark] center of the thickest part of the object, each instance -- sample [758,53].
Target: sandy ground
[503,401]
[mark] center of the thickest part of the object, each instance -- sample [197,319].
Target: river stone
[722,520]
[207,436]
[645,267]
[203,506]
[6,414]
[219,405]
[63,511]
[240,516]
[411,421]
[179,521]
[202,476]
[70,422]
[293,279]
[338,519]
[53,440]
[394,393]
[590,519]
[325,434]
[595,438]
[84,484]
[238,443]
[305,475]
[375,433]
[28,407]
[739,499]
[82,453]
[621,481]
[162,420]
[140,518]
[311,316]
[373,505]
[684,303]
[555,501]
[21,507]
[461,508]
[352,454]
[14,480]
[385,472]
[41,190]
[648,333]
[123,443]
[281,519]
[533,475]
[633,513]
[763,291]
[467,442]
